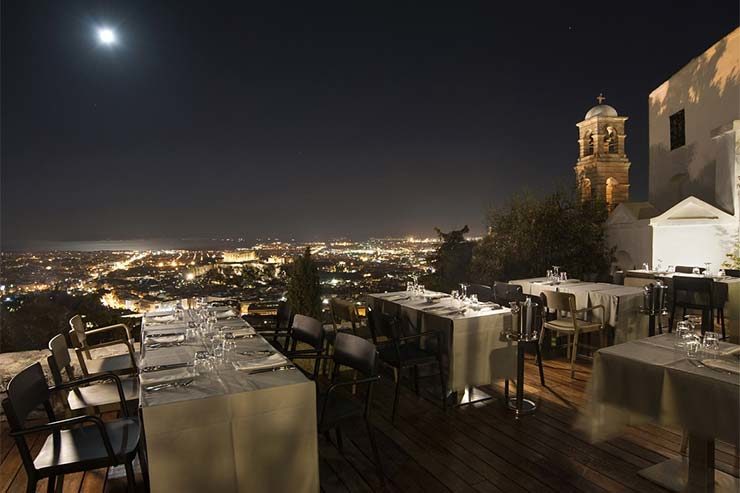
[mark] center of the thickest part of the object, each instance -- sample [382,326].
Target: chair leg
[144,468]
[51,484]
[398,394]
[376,455]
[684,442]
[539,364]
[31,485]
[670,319]
[573,352]
[338,432]
[506,390]
[415,375]
[130,479]
[721,315]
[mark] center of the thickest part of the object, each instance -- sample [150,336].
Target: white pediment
[692,210]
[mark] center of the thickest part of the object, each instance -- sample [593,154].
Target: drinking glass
[683,329]
[693,346]
[696,271]
[721,273]
[646,266]
[410,286]
[474,299]
[711,344]
[218,347]
[671,269]
[202,362]
[708,269]
[422,290]
[455,294]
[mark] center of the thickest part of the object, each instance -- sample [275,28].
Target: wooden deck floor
[479,447]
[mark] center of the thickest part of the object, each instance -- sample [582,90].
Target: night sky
[312,120]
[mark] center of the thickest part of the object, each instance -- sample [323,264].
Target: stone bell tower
[602,170]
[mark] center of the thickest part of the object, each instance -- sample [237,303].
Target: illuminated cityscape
[139,281]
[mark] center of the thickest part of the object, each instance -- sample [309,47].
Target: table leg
[695,474]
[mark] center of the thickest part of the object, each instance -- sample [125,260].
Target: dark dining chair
[279,334]
[336,408]
[76,444]
[122,364]
[308,331]
[687,269]
[401,351]
[695,293]
[732,272]
[504,293]
[101,396]
[484,293]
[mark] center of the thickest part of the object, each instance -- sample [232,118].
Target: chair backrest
[308,330]
[343,310]
[77,334]
[356,353]
[484,293]
[686,269]
[59,359]
[565,302]
[284,315]
[685,287]
[732,272]
[26,391]
[504,293]
[382,325]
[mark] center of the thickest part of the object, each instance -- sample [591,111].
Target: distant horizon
[146,244]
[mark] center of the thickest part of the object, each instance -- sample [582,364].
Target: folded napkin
[261,362]
[174,375]
[165,339]
[225,314]
[721,364]
[243,331]
[161,319]
[732,351]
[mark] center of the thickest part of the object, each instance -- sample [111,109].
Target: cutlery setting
[273,369]
[167,385]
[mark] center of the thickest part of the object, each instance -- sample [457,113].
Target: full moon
[106,36]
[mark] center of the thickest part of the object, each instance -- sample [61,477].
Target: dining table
[475,350]
[622,304]
[653,380]
[726,290]
[241,421]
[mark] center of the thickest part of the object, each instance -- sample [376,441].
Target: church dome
[601,110]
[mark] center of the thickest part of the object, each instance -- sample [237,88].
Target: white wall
[633,243]
[708,90]
[693,244]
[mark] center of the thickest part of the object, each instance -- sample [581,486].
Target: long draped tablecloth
[727,290]
[476,351]
[229,430]
[621,303]
[650,381]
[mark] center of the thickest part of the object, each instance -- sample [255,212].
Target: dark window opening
[678,130]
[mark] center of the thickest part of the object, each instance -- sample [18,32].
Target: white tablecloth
[229,431]
[476,351]
[649,381]
[621,303]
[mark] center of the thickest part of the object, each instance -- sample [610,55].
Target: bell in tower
[602,170]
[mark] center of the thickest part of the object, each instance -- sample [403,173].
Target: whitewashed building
[693,215]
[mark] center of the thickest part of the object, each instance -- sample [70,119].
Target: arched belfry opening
[602,169]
